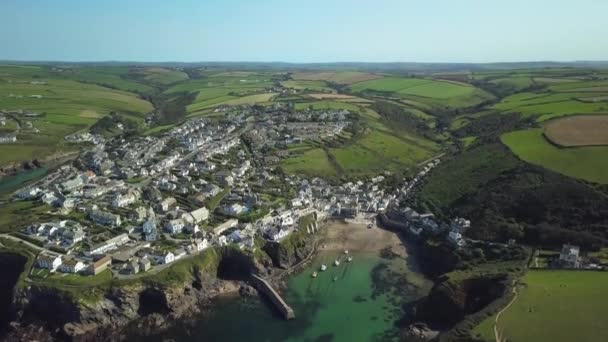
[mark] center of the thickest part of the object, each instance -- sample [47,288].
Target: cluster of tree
[532,205]
[398,116]
[490,127]
[172,108]
[107,124]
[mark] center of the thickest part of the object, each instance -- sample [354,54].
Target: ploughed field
[582,130]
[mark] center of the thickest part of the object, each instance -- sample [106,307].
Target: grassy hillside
[224,89]
[63,107]
[377,147]
[589,163]
[427,91]
[555,306]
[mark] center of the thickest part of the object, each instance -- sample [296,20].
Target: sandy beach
[356,237]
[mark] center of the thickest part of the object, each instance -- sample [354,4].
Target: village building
[105,218]
[100,265]
[110,244]
[569,257]
[49,262]
[71,266]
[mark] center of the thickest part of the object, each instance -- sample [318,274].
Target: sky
[304,31]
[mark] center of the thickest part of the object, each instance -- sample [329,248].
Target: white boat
[314,274]
[349,259]
[346,251]
[323,267]
[337,262]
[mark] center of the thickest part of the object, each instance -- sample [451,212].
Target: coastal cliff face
[46,313]
[451,300]
[293,249]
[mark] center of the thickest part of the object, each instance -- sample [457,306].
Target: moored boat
[323,267]
[337,262]
[346,251]
[314,274]
[350,258]
[335,278]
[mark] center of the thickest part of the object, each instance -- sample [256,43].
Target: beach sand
[357,237]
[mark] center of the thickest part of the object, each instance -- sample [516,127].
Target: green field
[427,91]
[224,88]
[314,86]
[380,148]
[311,162]
[326,104]
[555,306]
[64,107]
[339,77]
[163,76]
[588,163]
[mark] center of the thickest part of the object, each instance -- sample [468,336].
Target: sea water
[364,303]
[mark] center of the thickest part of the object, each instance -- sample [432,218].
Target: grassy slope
[380,148]
[588,163]
[309,85]
[311,162]
[556,306]
[427,91]
[68,106]
[466,173]
[224,89]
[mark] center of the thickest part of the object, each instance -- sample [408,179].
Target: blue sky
[304,30]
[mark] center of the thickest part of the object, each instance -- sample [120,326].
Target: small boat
[314,274]
[337,262]
[323,267]
[346,251]
[349,259]
[335,278]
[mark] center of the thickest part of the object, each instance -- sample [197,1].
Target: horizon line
[294,63]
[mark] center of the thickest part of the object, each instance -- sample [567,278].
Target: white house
[167,204]
[196,216]
[174,226]
[110,244]
[179,253]
[49,262]
[71,266]
[277,234]
[456,239]
[222,241]
[234,209]
[165,258]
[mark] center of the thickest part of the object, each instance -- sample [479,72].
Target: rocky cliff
[46,313]
[293,249]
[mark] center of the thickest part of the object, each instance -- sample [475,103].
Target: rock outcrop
[293,249]
[47,312]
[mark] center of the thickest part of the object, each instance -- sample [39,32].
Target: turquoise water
[363,304]
[12,183]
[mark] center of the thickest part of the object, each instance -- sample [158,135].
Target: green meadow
[315,86]
[311,162]
[225,88]
[555,306]
[64,106]
[427,91]
[379,149]
[588,163]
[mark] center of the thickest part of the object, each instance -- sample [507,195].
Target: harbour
[360,300]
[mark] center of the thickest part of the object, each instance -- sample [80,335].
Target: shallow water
[363,304]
